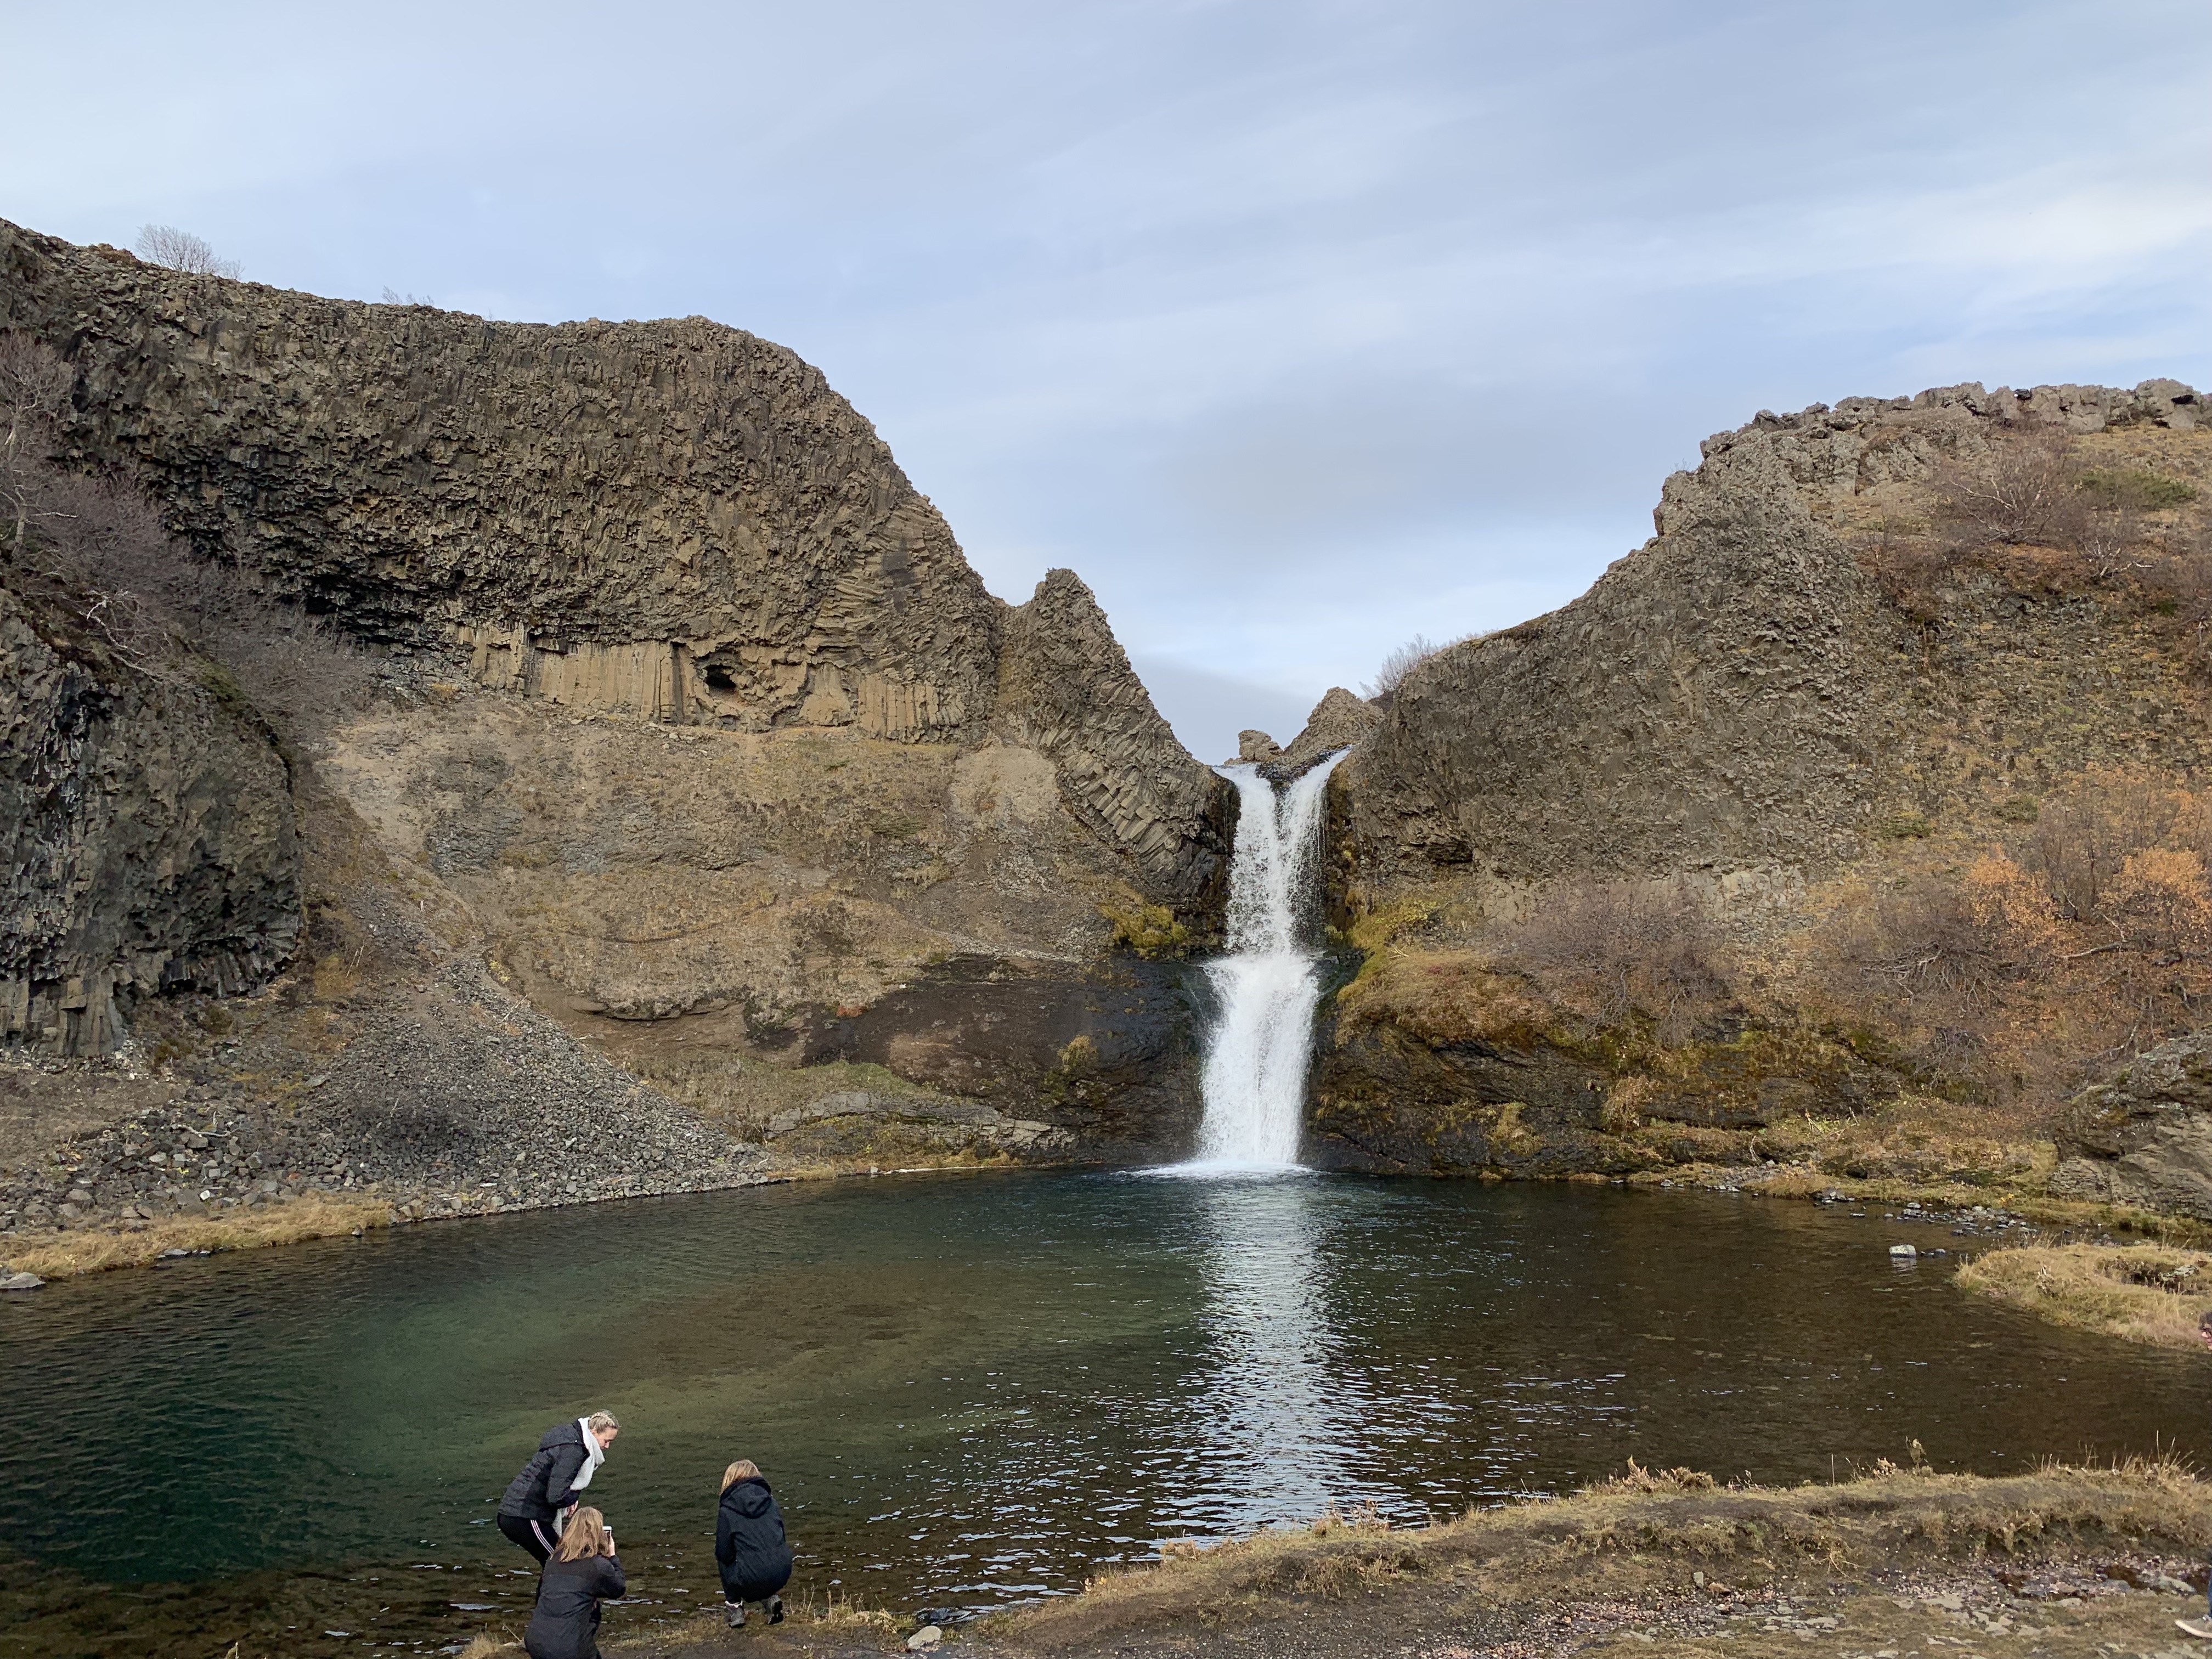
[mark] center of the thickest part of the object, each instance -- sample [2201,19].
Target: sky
[1297,328]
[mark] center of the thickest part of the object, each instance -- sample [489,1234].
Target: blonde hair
[743,1469]
[585,1535]
[600,1422]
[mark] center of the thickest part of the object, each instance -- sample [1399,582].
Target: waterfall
[1267,986]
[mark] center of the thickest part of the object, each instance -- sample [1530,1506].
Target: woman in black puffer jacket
[749,1543]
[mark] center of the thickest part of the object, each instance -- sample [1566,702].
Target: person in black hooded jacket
[749,1543]
[561,1468]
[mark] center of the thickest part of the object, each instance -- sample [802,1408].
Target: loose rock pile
[463,1102]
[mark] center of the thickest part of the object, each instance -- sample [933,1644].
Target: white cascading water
[1268,986]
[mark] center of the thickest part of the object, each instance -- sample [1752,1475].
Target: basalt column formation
[694,723]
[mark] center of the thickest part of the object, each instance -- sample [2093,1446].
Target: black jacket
[749,1545]
[541,1490]
[566,1624]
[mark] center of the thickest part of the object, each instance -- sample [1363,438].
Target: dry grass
[484,1643]
[2148,1293]
[816,1626]
[838,1614]
[63,1255]
[1637,1535]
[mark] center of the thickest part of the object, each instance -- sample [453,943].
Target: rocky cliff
[674,520]
[147,840]
[1743,691]
[694,741]
[1865,795]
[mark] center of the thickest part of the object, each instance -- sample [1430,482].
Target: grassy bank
[2065,1560]
[1649,1537]
[2148,1293]
[93,1250]
[2059,1214]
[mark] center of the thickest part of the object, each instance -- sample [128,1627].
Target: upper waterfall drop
[1262,1040]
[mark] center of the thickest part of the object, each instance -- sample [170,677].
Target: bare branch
[180,250]
[1402,661]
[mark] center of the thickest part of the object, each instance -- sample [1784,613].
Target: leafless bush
[1402,661]
[1925,942]
[146,594]
[180,250]
[2024,488]
[35,392]
[149,597]
[2081,846]
[1627,946]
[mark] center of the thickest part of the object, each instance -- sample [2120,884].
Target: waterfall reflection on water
[1281,1419]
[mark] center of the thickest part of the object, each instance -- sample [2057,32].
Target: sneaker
[2202,1627]
[737,1610]
[775,1610]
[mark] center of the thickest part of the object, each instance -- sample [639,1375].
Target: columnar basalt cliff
[695,733]
[146,828]
[1741,692]
[1796,837]
[675,519]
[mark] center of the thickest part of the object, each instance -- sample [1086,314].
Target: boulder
[1255,748]
[2144,1136]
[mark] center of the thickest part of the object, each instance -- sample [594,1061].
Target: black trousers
[538,1537]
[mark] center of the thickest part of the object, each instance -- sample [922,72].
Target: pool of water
[967,1390]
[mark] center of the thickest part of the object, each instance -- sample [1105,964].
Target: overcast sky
[1297,329]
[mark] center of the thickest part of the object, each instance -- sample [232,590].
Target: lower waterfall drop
[1262,1041]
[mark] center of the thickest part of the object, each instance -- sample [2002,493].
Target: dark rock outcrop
[1338,720]
[1065,688]
[2144,1137]
[1106,1062]
[147,839]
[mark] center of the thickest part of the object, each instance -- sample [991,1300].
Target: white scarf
[594,1454]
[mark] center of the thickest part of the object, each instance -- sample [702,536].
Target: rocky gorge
[695,816]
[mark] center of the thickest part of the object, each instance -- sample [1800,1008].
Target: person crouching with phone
[584,1571]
